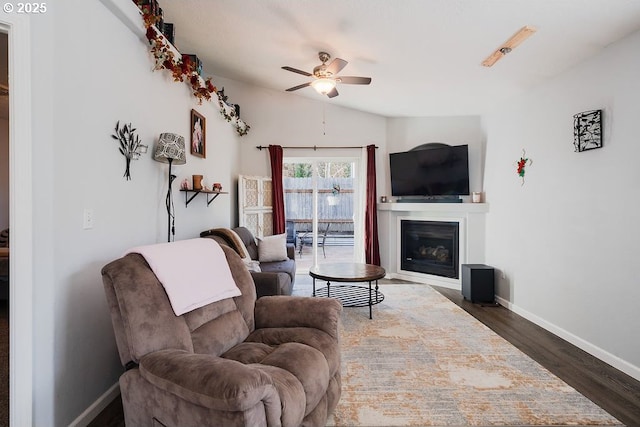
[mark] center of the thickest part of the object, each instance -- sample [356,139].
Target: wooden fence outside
[298,202]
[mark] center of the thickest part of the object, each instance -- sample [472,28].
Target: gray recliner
[274,361]
[277,277]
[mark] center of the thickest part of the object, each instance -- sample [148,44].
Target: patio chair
[306,239]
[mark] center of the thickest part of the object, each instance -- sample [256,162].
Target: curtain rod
[315,147]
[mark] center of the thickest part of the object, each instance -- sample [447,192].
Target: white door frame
[360,169]
[20,220]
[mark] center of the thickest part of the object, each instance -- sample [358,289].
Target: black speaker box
[478,283]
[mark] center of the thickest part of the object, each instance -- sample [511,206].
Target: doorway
[322,209]
[4,228]
[20,171]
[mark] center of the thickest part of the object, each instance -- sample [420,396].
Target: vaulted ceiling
[424,56]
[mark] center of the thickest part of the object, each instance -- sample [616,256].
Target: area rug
[423,361]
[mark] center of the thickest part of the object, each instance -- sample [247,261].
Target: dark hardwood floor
[4,363]
[611,389]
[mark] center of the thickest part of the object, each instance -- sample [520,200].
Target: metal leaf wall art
[587,130]
[130,145]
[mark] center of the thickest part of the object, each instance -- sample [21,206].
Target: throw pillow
[252,265]
[272,248]
[243,252]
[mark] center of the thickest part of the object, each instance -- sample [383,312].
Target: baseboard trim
[96,407]
[605,356]
[428,280]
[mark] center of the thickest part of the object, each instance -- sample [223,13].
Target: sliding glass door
[321,209]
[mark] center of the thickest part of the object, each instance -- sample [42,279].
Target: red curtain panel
[275,155]
[371,246]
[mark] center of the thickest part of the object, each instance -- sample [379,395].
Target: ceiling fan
[522,34]
[325,79]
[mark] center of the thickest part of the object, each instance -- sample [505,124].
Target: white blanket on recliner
[194,272]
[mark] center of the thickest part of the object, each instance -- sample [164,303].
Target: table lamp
[170,149]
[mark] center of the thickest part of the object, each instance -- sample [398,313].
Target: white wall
[567,239]
[101,73]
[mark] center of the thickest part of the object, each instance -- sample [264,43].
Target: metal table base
[352,295]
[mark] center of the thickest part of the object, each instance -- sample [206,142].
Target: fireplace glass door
[430,247]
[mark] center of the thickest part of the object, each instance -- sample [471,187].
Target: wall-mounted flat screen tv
[442,171]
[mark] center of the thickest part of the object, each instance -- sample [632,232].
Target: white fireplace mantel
[435,207]
[470,216]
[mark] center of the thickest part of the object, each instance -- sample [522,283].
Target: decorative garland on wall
[184,69]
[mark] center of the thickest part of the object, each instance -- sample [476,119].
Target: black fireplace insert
[430,247]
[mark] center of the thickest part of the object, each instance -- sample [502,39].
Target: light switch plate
[87,219]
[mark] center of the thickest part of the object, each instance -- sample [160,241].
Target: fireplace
[430,247]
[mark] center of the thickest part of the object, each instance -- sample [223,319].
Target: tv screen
[442,171]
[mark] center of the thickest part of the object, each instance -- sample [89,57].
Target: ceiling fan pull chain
[324,123]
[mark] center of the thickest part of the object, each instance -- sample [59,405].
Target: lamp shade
[323,86]
[170,146]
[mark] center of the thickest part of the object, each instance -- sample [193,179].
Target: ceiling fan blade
[350,80]
[336,66]
[515,40]
[295,70]
[333,93]
[522,34]
[493,58]
[291,89]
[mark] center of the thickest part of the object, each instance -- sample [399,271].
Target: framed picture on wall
[198,135]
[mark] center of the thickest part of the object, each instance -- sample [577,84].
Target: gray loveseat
[277,277]
[237,362]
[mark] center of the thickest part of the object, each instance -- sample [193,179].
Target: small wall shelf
[211,195]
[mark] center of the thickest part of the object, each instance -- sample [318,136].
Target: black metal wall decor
[587,130]
[130,145]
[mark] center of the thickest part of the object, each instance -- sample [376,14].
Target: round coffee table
[349,295]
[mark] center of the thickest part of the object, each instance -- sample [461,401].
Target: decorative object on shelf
[170,149]
[476,196]
[184,185]
[587,130]
[217,186]
[168,30]
[383,199]
[152,9]
[197,182]
[521,164]
[232,112]
[197,63]
[182,67]
[198,135]
[185,68]
[130,146]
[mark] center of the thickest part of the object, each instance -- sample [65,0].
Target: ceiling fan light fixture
[323,86]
